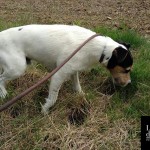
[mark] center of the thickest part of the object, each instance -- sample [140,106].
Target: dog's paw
[82,93]
[44,109]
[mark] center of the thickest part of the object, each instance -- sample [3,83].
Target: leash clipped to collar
[49,75]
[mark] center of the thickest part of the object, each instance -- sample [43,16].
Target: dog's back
[45,42]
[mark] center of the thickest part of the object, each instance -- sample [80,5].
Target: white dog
[50,45]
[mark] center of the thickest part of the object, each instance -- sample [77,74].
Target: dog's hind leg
[3,91]
[76,83]
[12,69]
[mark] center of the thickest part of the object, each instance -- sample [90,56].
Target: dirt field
[90,13]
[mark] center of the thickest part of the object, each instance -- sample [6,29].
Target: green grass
[124,35]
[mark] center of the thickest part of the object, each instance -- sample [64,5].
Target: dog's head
[120,65]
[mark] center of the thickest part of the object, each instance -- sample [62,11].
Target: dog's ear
[113,60]
[121,57]
[121,54]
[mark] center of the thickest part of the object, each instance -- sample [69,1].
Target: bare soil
[134,14]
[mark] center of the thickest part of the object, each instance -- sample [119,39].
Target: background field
[109,118]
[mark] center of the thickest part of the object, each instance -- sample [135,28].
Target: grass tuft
[124,35]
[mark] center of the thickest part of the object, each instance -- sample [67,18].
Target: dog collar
[101,58]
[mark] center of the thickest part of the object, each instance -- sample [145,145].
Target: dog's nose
[118,82]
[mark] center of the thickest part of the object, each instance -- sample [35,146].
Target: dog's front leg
[55,84]
[76,83]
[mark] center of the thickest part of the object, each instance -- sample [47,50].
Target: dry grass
[24,127]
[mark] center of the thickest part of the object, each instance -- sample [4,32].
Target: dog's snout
[119,82]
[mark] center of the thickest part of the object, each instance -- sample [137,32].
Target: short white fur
[50,45]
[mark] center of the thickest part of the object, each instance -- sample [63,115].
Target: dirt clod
[78,115]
